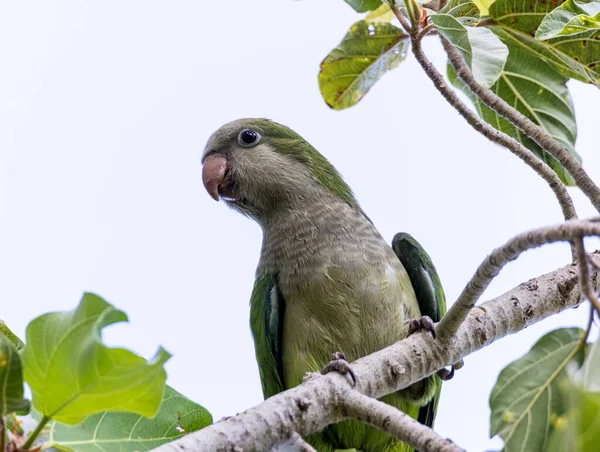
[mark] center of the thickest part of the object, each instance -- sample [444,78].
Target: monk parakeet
[326,281]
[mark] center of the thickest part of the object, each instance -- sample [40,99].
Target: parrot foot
[446,374]
[424,323]
[339,363]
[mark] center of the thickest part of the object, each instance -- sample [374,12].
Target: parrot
[326,280]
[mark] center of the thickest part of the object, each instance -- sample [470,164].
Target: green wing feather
[430,295]
[266,320]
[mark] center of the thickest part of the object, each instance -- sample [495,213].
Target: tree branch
[535,132]
[294,444]
[494,135]
[396,423]
[313,405]
[584,275]
[571,231]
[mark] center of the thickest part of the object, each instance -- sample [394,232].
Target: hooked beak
[213,174]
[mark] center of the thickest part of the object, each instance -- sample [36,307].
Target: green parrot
[326,281]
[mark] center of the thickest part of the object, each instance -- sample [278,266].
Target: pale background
[105,107]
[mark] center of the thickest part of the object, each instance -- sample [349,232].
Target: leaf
[367,52]
[18,343]
[579,428]
[526,395]
[11,379]
[72,375]
[381,14]
[570,18]
[482,50]
[538,92]
[462,10]
[111,431]
[590,372]
[575,57]
[483,6]
[362,6]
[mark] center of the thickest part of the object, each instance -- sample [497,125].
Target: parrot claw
[339,363]
[424,323]
[446,374]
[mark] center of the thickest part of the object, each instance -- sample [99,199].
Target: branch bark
[532,130]
[316,403]
[572,231]
[396,423]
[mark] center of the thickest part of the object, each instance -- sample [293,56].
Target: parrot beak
[213,174]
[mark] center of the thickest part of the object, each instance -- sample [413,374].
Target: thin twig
[424,31]
[395,423]
[584,274]
[499,257]
[403,20]
[588,329]
[539,166]
[534,131]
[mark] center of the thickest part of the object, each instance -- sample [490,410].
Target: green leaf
[526,396]
[367,52]
[538,92]
[578,429]
[123,432]
[11,379]
[570,18]
[72,375]
[482,50]
[362,6]
[18,343]
[462,10]
[483,6]
[590,372]
[381,14]
[575,57]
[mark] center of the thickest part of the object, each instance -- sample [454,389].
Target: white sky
[105,108]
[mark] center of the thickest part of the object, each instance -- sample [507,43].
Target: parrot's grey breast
[343,287]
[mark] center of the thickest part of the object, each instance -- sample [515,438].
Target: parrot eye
[248,137]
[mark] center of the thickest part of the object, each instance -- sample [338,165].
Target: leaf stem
[584,275]
[33,435]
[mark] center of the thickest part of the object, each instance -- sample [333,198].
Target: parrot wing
[430,295]
[266,323]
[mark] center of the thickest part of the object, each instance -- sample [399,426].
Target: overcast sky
[105,107]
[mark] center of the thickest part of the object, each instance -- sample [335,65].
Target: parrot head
[258,166]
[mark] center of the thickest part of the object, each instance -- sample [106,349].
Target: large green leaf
[574,56]
[526,396]
[570,18]
[123,432]
[482,50]
[483,6]
[538,92]
[18,343]
[461,9]
[72,375]
[11,379]
[579,429]
[381,14]
[362,6]
[367,52]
